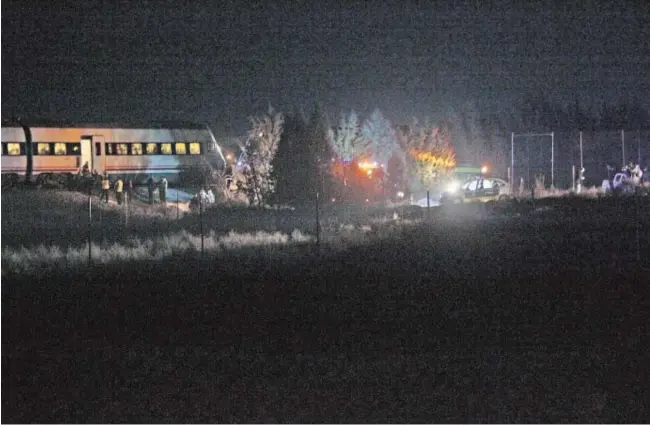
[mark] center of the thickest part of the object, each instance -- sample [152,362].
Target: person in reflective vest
[119,187]
[106,186]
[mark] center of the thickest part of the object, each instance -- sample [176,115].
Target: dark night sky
[222,61]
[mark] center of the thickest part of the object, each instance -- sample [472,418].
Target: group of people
[121,189]
[124,190]
[162,189]
[204,197]
[633,172]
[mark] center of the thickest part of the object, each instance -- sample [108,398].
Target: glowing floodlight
[367,165]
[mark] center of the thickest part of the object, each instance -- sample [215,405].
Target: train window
[195,148]
[98,148]
[13,149]
[59,149]
[166,148]
[110,149]
[181,149]
[136,148]
[122,149]
[43,149]
[74,149]
[152,148]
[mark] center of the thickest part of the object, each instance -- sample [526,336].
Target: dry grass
[48,229]
[35,260]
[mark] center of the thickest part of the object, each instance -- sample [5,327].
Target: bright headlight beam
[453,186]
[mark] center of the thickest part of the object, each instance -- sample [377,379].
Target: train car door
[87,156]
[92,151]
[99,154]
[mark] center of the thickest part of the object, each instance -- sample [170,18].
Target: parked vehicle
[478,189]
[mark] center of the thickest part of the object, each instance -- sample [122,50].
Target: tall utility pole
[623,145]
[582,165]
[512,160]
[552,160]
[638,147]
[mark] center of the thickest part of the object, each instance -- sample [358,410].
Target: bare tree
[260,149]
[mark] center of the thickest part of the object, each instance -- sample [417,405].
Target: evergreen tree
[381,134]
[347,141]
[287,162]
[318,155]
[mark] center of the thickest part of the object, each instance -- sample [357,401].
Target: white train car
[133,152]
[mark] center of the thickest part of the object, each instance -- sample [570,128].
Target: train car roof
[172,125]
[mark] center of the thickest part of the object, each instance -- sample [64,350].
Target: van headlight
[453,186]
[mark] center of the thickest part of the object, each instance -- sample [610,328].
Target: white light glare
[453,186]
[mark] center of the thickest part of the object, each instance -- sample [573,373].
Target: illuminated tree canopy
[261,148]
[429,151]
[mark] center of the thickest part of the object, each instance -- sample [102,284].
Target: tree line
[290,157]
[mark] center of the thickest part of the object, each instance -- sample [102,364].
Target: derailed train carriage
[176,151]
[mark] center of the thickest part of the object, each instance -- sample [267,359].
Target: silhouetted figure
[151,187]
[163,190]
[128,190]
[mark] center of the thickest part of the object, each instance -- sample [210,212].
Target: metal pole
[126,208]
[637,225]
[573,177]
[623,145]
[90,224]
[322,181]
[177,205]
[201,222]
[552,160]
[512,159]
[582,167]
[581,163]
[317,218]
[638,147]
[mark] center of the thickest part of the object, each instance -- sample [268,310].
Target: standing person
[163,190]
[637,174]
[128,190]
[119,187]
[151,186]
[106,186]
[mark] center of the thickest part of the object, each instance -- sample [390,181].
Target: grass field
[509,313]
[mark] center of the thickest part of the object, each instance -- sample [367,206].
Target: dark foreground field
[537,319]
